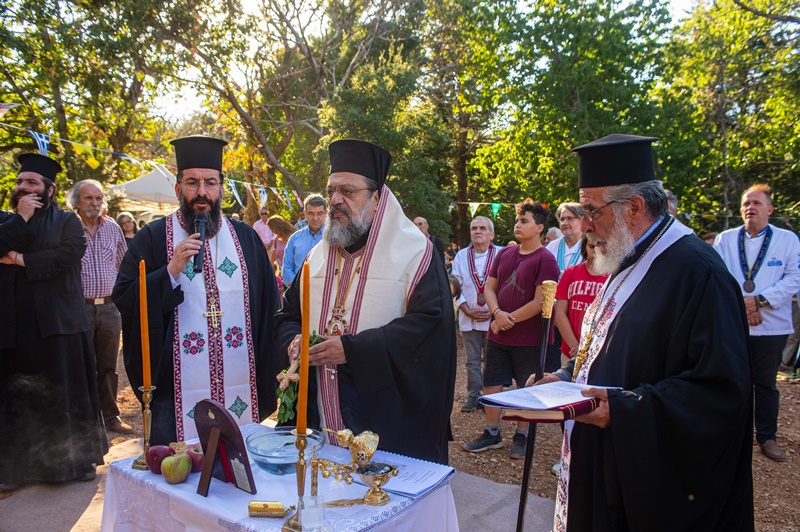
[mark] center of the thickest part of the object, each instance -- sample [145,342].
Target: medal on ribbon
[480,282]
[749,284]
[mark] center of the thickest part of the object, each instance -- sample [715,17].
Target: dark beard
[18,194]
[188,214]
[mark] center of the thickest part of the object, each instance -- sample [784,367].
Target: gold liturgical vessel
[374,475]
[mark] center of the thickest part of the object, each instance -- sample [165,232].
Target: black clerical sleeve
[52,261]
[15,233]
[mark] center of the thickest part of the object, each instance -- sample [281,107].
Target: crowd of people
[677,339]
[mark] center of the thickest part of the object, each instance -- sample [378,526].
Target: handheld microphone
[200,227]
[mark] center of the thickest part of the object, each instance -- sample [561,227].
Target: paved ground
[78,506]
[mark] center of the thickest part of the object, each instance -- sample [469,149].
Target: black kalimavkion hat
[360,157]
[615,160]
[198,151]
[40,164]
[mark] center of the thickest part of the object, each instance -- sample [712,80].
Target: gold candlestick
[293,524]
[147,396]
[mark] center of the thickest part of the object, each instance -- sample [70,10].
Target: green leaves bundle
[288,396]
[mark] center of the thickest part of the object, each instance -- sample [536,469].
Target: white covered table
[142,501]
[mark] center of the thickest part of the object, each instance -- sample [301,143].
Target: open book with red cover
[546,403]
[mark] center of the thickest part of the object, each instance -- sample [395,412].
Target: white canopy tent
[154,191]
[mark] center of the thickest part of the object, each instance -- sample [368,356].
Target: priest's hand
[331,351]
[8,258]
[27,205]
[184,251]
[547,377]
[294,348]
[601,416]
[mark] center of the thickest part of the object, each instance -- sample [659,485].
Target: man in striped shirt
[105,248]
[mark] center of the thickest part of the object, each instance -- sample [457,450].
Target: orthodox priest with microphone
[211,297]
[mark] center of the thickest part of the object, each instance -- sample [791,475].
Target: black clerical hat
[615,160]
[199,151]
[40,164]
[360,157]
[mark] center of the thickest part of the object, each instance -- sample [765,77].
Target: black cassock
[50,423]
[399,379]
[150,244]
[677,455]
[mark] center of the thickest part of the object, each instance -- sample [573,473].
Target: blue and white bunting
[6,106]
[129,159]
[235,192]
[262,196]
[288,198]
[42,141]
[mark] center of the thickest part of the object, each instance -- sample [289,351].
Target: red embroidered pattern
[176,348]
[248,327]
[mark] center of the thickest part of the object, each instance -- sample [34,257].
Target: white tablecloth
[142,501]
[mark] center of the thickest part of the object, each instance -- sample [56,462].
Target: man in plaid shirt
[105,248]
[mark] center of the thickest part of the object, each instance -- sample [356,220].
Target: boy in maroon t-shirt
[514,297]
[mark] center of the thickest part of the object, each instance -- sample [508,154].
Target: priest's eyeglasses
[588,213]
[346,192]
[193,184]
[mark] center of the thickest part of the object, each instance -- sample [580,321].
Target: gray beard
[620,245]
[346,235]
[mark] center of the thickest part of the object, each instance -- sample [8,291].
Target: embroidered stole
[610,312]
[213,354]
[394,260]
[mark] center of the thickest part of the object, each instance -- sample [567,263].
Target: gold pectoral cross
[213,313]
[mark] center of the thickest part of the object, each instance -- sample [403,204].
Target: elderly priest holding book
[669,448]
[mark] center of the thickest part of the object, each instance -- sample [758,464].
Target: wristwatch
[762,301]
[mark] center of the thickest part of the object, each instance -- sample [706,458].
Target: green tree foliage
[735,73]
[468,59]
[583,70]
[379,106]
[479,101]
[84,72]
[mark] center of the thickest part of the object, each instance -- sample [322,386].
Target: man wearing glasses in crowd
[210,327]
[263,230]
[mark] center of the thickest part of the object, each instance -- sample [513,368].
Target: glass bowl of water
[274,450]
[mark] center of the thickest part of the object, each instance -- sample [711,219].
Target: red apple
[155,455]
[195,452]
[176,468]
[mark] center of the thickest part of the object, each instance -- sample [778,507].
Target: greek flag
[262,196]
[129,159]
[232,186]
[42,141]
